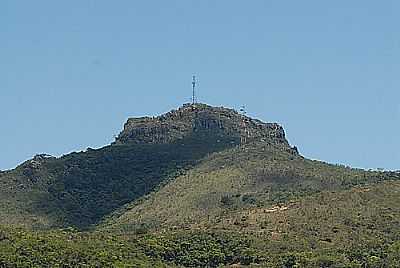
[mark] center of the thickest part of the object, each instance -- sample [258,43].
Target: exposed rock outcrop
[201,119]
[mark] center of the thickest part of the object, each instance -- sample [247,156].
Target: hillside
[358,227]
[80,188]
[199,186]
[254,176]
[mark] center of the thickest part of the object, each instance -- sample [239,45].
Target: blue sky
[72,72]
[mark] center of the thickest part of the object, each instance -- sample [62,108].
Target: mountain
[199,186]
[79,189]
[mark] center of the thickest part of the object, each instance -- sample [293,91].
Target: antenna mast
[194,90]
[244,136]
[243,110]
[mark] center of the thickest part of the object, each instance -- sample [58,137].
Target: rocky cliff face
[200,119]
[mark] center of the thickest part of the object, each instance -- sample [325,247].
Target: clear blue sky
[72,72]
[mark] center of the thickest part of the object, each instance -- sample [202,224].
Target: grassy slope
[234,180]
[80,188]
[358,227]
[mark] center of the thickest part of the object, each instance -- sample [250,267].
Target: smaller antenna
[245,132]
[194,90]
[243,110]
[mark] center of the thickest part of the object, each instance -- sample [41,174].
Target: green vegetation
[180,190]
[240,178]
[81,188]
[20,248]
[212,248]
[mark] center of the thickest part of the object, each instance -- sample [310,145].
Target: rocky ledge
[200,119]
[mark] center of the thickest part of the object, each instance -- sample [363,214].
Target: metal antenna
[243,137]
[194,90]
[243,110]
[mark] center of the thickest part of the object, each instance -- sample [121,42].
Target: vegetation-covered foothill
[66,248]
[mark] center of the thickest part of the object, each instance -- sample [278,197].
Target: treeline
[67,248]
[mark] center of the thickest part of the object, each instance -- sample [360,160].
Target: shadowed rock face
[201,119]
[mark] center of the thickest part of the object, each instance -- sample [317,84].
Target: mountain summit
[202,120]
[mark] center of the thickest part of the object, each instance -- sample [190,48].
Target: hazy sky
[72,72]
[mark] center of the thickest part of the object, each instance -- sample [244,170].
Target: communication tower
[194,90]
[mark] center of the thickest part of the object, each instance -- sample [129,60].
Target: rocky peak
[36,161]
[200,119]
